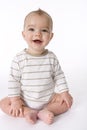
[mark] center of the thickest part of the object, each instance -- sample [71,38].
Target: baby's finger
[21,112]
[17,112]
[13,113]
[69,103]
[10,111]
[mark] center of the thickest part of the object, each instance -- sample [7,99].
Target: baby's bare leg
[29,114]
[57,108]
[46,116]
[5,105]
[51,110]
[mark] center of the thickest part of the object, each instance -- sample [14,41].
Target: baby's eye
[31,29]
[44,30]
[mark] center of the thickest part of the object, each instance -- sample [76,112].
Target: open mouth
[37,41]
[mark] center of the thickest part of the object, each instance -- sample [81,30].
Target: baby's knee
[61,108]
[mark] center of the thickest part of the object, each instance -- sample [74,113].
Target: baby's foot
[31,116]
[46,116]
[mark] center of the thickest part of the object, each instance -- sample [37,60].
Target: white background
[69,42]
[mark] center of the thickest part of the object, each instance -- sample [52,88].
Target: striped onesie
[36,78]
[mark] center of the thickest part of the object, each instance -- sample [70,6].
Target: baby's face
[37,32]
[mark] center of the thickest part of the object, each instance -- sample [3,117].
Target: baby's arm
[16,106]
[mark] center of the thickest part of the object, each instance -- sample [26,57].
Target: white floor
[74,119]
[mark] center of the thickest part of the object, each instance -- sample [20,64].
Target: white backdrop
[69,44]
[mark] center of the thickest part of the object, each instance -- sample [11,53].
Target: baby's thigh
[5,102]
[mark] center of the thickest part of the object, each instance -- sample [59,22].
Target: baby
[37,85]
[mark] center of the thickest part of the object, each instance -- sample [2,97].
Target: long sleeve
[14,79]
[59,78]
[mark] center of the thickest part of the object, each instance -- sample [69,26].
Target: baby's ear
[23,34]
[51,35]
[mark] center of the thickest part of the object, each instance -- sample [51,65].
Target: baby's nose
[38,32]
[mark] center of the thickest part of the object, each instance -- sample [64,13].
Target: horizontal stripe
[46,78]
[35,78]
[37,91]
[34,84]
[36,98]
[12,94]
[36,59]
[13,87]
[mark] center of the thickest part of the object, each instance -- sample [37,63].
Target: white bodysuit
[36,78]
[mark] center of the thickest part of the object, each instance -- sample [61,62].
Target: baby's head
[41,13]
[37,31]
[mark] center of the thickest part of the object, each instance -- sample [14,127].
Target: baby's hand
[67,98]
[16,108]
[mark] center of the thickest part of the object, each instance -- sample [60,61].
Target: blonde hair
[40,12]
